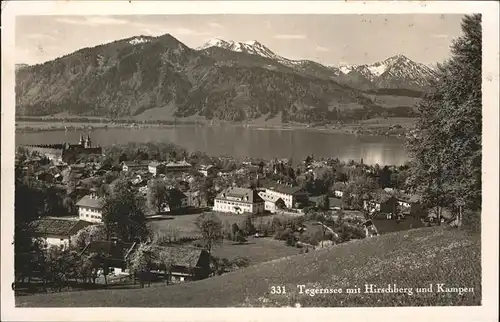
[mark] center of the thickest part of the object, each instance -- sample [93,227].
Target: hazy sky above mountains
[328,39]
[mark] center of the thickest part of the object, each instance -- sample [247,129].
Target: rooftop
[58,226]
[282,188]
[90,201]
[180,256]
[339,186]
[137,163]
[178,164]
[243,194]
[115,249]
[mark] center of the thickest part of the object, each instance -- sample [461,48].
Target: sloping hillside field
[447,259]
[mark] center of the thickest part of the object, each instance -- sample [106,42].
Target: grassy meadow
[410,259]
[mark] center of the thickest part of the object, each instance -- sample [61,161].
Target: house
[173,167]
[90,208]
[176,200]
[140,165]
[186,263]
[113,253]
[338,189]
[57,231]
[384,225]
[381,202]
[208,170]
[335,203]
[156,168]
[290,194]
[239,200]
[272,202]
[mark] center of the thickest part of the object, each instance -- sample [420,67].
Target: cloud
[289,36]
[93,21]
[214,24]
[440,36]
[321,48]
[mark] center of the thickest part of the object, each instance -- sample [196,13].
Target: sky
[328,39]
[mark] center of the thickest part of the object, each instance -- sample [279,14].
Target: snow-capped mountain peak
[138,40]
[252,43]
[252,47]
[393,71]
[397,68]
[215,42]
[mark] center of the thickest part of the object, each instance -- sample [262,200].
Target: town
[158,213]
[243,178]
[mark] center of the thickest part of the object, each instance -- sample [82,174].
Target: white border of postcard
[486,312]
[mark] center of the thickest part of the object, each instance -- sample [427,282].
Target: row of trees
[446,144]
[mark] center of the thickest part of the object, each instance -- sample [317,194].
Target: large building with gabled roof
[238,200]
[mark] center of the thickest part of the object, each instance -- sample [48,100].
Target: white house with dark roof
[57,231]
[181,166]
[338,189]
[156,167]
[288,193]
[238,200]
[90,208]
[271,201]
[139,165]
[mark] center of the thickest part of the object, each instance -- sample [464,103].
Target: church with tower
[66,152]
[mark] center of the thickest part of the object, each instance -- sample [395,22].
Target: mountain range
[160,77]
[395,72]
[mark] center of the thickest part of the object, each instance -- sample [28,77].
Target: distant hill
[396,72]
[160,78]
[414,258]
[21,66]
[130,76]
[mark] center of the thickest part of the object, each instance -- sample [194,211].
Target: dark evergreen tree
[446,145]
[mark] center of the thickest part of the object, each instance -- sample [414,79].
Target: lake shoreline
[252,141]
[353,129]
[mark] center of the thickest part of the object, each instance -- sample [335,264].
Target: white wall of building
[90,214]
[57,241]
[270,206]
[235,207]
[288,199]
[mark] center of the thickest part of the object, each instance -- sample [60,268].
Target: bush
[239,238]
[240,262]
[283,234]
[291,240]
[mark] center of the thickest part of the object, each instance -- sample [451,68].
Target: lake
[240,142]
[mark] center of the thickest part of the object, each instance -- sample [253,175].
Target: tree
[140,262]
[86,235]
[227,230]
[280,204]
[446,144]
[210,228]
[357,191]
[234,230]
[248,227]
[165,261]
[28,206]
[325,203]
[123,213]
[157,195]
[239,238]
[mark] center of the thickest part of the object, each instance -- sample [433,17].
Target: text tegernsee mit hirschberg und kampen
[368,288]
